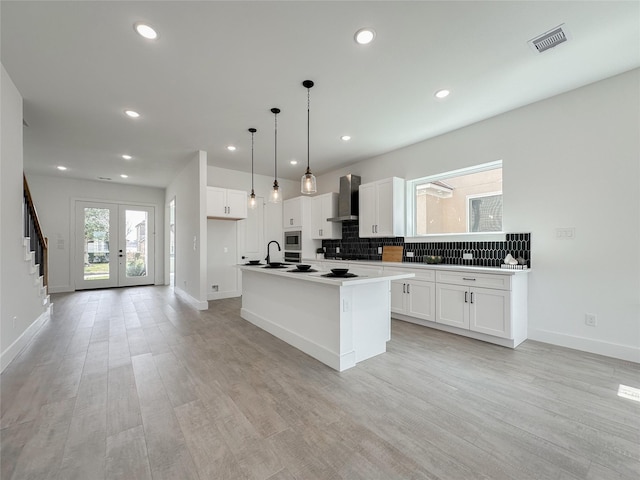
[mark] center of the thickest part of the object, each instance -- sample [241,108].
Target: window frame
[411,187]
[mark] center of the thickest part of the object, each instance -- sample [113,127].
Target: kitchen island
[338,321]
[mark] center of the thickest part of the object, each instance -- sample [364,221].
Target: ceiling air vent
[549,39]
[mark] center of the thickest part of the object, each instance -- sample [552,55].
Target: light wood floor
[133,384]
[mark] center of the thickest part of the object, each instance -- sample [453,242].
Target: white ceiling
[217,68]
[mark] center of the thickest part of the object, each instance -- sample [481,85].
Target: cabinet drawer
[420,274]
[501,282]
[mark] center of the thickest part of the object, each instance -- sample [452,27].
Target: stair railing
[32,229]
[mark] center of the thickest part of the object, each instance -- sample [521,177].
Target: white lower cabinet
[483,310]
[486,306]
[414,297]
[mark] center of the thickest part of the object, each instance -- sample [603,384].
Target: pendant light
[274,197]
[308,181]
[252,198]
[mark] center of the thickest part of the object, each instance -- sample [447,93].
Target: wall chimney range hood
[347,199]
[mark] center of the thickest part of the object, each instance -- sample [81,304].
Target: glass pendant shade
[253,203]
[308,183]
[274,196]
[308,180]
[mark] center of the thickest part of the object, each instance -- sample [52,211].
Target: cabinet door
[292,213]
[452,305]
[398,290]
[317,205]
[384,209]
[367,220]
[236,204]
[489,312]
[421,300]
[216,202]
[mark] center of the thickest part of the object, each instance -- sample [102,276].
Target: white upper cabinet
[296,213]
[226,203]
[323,207]
[382,208]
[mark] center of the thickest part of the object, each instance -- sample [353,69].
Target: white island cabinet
[338,321]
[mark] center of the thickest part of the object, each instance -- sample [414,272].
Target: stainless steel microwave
[293,240]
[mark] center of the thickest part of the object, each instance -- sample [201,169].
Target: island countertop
[318,276]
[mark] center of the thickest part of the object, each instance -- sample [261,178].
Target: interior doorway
[172,242]
[114,245]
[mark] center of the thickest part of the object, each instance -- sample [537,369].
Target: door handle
[372,229]
[404,288]
[465,297]
[471,297]
[408,288]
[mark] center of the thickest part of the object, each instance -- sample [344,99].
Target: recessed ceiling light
[293,162]
[124,176]
[231,148]
[364,36]
[442,93]
[345,138]
[127,157]
[132,113]
[145,31]
[62,168]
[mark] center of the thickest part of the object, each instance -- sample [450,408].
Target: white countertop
[318,278]
[424,266]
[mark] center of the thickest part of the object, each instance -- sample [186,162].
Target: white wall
[570,161]
[190,192]
[55,197]
[19,297]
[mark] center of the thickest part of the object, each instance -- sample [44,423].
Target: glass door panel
[136,245]
[96,227]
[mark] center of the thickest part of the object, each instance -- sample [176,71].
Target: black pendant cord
[308,123]
[308,84]
[253,131]
[275,112]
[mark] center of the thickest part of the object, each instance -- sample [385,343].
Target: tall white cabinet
[323,207]
[382,208]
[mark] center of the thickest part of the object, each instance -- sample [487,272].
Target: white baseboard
[221,295]
[16,347]
[608,349]
[195,303]
[60,288]
[326,356]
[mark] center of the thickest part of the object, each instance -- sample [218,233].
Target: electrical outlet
[567,233]
[590,319]
[337,249]
[214,288]
[467,256]
[409,254]
[379,250]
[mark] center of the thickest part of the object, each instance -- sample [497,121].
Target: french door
[114,245]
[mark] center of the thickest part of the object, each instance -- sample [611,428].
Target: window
[462,201]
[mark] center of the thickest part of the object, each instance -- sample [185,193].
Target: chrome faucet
[268,255]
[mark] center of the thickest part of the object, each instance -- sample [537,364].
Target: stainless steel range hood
[347,199]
